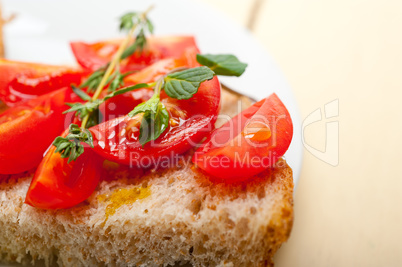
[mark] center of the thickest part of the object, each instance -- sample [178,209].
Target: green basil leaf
[184,84]
[116,82]
[128,20]
[74,129]
[150,106]
[226,65]
[153,124]
[150,26]
[85,108]
[73,107]
[71,146]
[84,96]
[93,81]
[138,44]
[94,118]
[73,155]
[60,144]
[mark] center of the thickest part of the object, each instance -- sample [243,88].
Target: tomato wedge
[96,55]
[20,81]
[190,121]
[122,104]
[61,185]
[249,143]
[27,130]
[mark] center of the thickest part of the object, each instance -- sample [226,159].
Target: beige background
[351,50]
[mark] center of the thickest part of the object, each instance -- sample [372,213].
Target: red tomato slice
[96,55]
[190,121]
[122,104]
[249,143]
[61,185]
[20,81]
[27,130]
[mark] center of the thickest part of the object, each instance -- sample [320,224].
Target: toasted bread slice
[155,218]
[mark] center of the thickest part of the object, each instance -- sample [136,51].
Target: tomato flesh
[122,104]
[190,121]
[20,81]
[61,185]
[96,55]
[27,130]
[249,143]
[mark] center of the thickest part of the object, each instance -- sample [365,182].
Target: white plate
[43,28]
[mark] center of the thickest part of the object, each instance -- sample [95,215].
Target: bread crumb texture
[176,215]
[153,218]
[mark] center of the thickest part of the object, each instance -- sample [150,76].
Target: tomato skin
[25,133]
[200,115]
[245,146]
[157,70]
[61,185]
[88,57]
[96,55]
[23,88]
[20,81]
[10,69]
[122,104]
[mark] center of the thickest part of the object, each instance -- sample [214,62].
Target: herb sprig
[225,65]
[180,83]
[71,146]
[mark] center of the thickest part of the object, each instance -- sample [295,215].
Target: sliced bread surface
[154,218]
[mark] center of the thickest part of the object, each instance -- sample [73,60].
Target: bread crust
[153,218]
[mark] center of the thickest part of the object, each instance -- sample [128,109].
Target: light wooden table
[350,50]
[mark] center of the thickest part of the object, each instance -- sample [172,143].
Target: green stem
[116,60]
